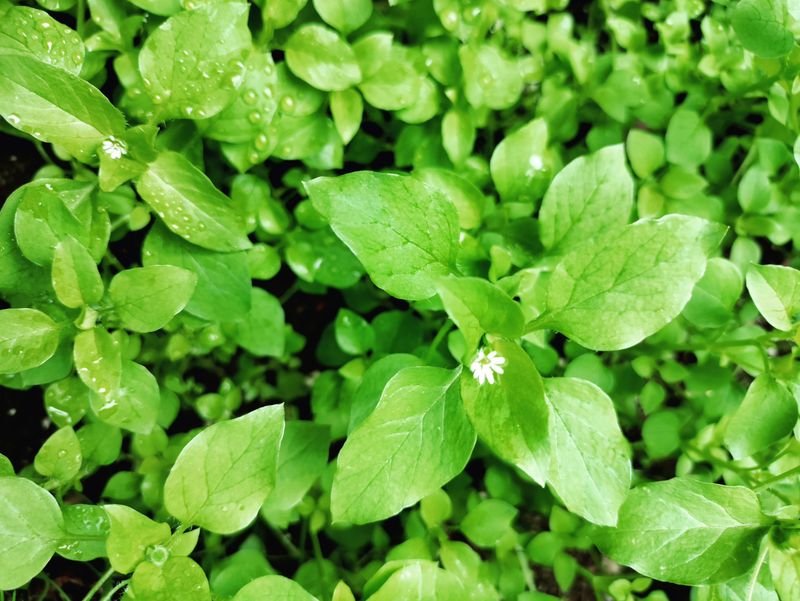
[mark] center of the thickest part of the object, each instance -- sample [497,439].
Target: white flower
[114,147]
[486,365]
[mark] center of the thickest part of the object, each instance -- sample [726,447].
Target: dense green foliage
[426,300]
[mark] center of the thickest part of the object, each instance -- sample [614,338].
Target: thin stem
[527,573]
[99,584]
[437,340]
[787,474]
[110,594]
[320,558]
[80,16]
[287,543]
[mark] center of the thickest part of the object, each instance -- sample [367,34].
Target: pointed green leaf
[28,338]
[133,404]
[75,277]
[273,587]
[775,289]
[130,535]
[177,579]
[98,360]
[321,58]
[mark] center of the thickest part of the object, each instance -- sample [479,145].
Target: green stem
[80,16]
[287,543]
[787,474]
[437,340]
[99,584]
[110,594]
[320,558]
[525,566]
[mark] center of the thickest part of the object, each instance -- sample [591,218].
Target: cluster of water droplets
[50,41]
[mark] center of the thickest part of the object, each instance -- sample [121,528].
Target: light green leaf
[491,78]
[147,298]
[612,292]
[467,198]
[223,285]
[775,289]
[686,531]
[715,295]
[273,587]
[344,15]
[688,139]
[590,460]
[193,63]
[321,58]
[404,233]
[520,166]
[487,522]
[55,106]
[261,332]
[420,581]
[98,360]
[28,338]
[178,579]
[784,566]
[86,530]
[426,441]
[394,84]
[353,333]
[282,12]
[747,587]
[222,477]
[458,135]
[762,27]
[76,280]
[130,535]
[767,414]
[190,205]
[30,527]
[591,195]
[511,415]
[645,152]
[31,32]
[60,456]
[133,404]
[347,109]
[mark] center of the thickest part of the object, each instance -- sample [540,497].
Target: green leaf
[147,298]
[458,135]
[55,106]
[784,566]
[76,280]
[133,404]
[302,458]
[353,333]
[519,165]
[347,109]
[130,535]
[612,292]
[344,15]
[688,139]
[420,581]
[98,360]
[30,528]
[53,210]
[273,587]
[261,332]
[190,205]
[177,579]
[222,477]
[192,64]
[592,194]
[590,460]
[747,587]
[426,441]
[86,529]
[645,152]
[394,84]
[59,457]
[321,58]
[511,415]
[223,285]
[31,32]
[762,27]
[487,522]
[715,295]
[775,290]
[404,233]
[28,338]
[767,414]
[491,78]
[467,198]
[686,531]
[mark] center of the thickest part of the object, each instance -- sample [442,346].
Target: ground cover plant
[410,300]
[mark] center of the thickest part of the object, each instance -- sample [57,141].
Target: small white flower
[114,147]
[486,365]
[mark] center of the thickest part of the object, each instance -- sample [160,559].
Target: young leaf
[518,164]
[130,535]
[511,415]
[55,106]
[222,477]
[190,205]
[775,290]
[590,464]
[762,27]
[98,360]
[177,579]
[426,441]
[321,58]
[261,332]
[784,566]
[491,78]
[420,581]
[591,195]
[59,457]
[58,45]
[344,15]
[133,404]
[86,530]
[147,298]
[347,109]
[193,63]
[273,587]
[767,414]
[405,234]
[612,292]
[223,285]
[30,528]
[686,531]
[688,139]
[76,280]
[28,338]
[466,196]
